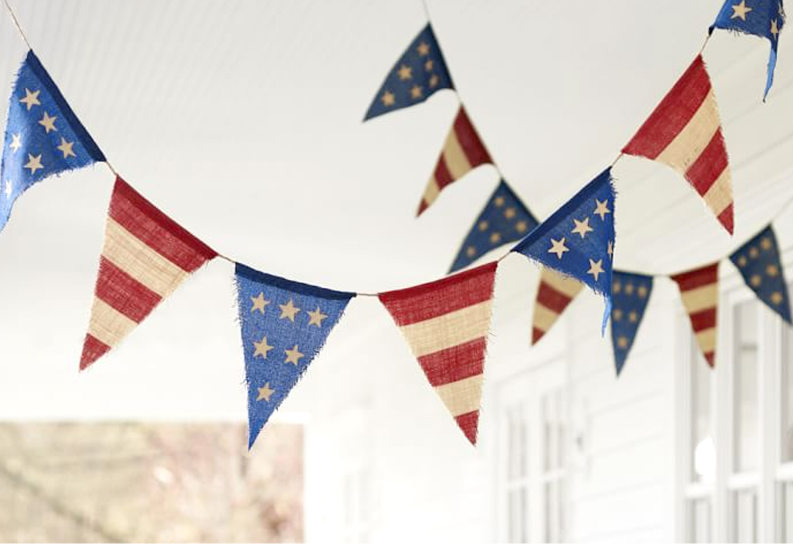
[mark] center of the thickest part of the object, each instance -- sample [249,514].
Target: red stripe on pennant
[704,319]
[93,349]
[442,175]
[433,299]
[469,424]
[673,113]
[710,164]
[697,278]
[727,218]
[469,140]
[154,228]
[710,357]
[124,293]
[536,335]
[467,360]
[552,299]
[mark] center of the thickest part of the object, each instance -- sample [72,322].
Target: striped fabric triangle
[555,292]
[145,257]
[684,132]
[462,152]
[699,290]
[446,323]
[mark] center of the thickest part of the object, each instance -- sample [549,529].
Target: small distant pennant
[631,293]
[578,239]
[684,132]
[505,219]
[420,72]
[699,290]
[763,18]
[759,263]
[462,152]
[284,325]
[146,256]
[43,136]
[446,324]
[554,293]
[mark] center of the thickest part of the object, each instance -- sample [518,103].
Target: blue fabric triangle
[630,293]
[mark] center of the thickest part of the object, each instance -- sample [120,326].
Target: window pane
[516,443]
[700,521]
[745,387]
[745,519]
[517,515]
[787,512]
[553,431]
[702,454]
[787,394]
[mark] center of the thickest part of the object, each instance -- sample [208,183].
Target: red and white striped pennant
[446,324]
[554,293]
[699,290]
[145,257]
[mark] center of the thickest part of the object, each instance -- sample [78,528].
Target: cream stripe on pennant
[140,261]
[448,330]
[563,284]
[108,325]
[707,339]
[462,396]
[432,191]
[544,317]
[719,195]
[701,298]
[692,140]
[456,160]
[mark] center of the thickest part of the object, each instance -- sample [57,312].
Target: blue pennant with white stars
[504,219]
[763,18]
[578,239]
[284,325]
[759,263]
[420,72]
[43,136]
[631,293]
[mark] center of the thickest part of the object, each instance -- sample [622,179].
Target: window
[517,475]
[737,429]
[553,472]
[356,505]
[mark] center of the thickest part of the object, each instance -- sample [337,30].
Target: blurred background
[242,120]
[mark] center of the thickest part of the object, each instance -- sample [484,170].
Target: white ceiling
[242,120]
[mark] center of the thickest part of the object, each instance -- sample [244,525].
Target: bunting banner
[684,132]
[446,324]
[699,290]
[505,219]
[43,136]
[631,293]
[284,325]
[145,257]
[763,18]
[761,268]
[578,239]
[554,293]
[420,72]
[462,152]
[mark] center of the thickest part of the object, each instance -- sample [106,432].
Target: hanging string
[17,25]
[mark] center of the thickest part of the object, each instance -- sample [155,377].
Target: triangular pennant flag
[578,239]
[462,152]
[554,293]
[446,323]
[759,264]
[503,220]
[684,132]
[631,293]
[420,72]
[43,136]
[763,18]
[284,325]
[145,257]
[699,290]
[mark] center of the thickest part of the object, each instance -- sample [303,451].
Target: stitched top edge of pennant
[290,285]
[85,138]
[571,204]
[126,190]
